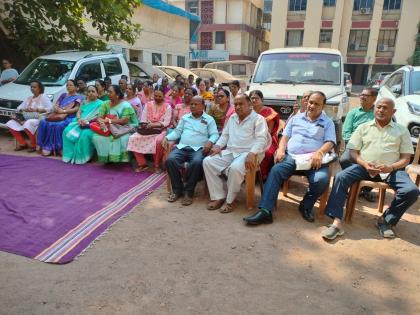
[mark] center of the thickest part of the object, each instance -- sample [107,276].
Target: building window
[156,59]
[325,36]
[180,61]
[206,40]
[297,5]
[386,40]
[362,4]
[294,38]
[192,6]
[220,37]
[358,40]
[329,3]
[392,4]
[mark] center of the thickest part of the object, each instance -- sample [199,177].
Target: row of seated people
[381,154]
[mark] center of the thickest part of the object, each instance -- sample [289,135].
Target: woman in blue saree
[50,133]
[77,137]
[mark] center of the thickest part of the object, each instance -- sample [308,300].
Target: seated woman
[77,137]
[273,122]
[146,94]
[132,98]
[175,97]
[101,88]
[184,108]
[156,114]
[112,149]
[206,95]
[50,132]
[31,109]
[222,109]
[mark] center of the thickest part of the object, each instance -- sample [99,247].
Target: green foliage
[41,26]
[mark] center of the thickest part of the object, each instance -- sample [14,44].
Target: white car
[403,86]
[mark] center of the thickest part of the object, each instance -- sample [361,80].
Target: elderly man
[312,135]
[354,118]
[243,141]
[123,85]
[197,132]
[381,149]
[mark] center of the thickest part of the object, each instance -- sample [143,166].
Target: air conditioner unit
[365,10]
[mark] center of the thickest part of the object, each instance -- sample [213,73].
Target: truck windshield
[50,72]
[299,68]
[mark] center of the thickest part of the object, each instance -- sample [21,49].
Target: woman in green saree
[77,136]
[112,149]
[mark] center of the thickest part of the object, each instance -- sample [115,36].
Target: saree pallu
[50,133]
[267,163]
[77,142]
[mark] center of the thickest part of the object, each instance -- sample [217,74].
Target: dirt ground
[170,259]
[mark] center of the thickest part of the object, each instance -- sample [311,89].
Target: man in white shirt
[244,138]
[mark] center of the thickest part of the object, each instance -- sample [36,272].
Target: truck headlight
[414,108]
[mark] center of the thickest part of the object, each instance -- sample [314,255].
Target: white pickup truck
[54,71]
[284,74]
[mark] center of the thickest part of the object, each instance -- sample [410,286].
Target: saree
[50,133]
[77,142]
[112,149]
[221,116]
[271,117]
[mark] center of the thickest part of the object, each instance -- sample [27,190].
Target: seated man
[311,132]
[381,149]
[246,138]
[197,132]
[354,118]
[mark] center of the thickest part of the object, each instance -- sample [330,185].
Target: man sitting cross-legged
[197,132]
[311,133]
[381,149]
[246,138]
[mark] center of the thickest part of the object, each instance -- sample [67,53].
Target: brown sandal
[187,201]
[215,204]
[173,197]
[227,208]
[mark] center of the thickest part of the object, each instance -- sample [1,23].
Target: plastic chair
[414,168]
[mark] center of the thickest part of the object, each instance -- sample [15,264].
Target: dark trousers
[318,181]
[406,192]
[345,159]
[174,165]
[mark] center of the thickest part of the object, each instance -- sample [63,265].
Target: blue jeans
[174,165]
[318,181]
[406,192]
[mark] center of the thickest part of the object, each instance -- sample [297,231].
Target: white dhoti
[232,167]
[30,124]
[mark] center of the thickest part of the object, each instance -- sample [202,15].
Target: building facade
[229,30]
[164,38]
[372,35]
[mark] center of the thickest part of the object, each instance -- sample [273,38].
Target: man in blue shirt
[197,132]
[311,133]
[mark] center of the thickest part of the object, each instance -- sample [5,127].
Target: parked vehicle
[54,71]
[221,77]
[403,86]
[286,73]
[377,79]
[143,71]
[173,71]
[349,83]
[241,69]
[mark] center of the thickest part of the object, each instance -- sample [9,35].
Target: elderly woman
[101,88]
[50,130]
[175,97]
[109,148]
[273,122]
[132,98]
[222,109]
[183,108]
[165,87]
[30,109]
[8,74]
[202,89]
[77,137]
[146,94]
[156,114]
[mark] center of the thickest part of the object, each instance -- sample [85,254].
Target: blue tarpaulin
[166,7]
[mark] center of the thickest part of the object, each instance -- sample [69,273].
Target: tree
[42,26]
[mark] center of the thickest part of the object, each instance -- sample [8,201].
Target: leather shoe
[259,217]
[307,214]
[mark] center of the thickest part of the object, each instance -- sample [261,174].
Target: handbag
[56,117]
[120,130]
[96,127]
[142,130]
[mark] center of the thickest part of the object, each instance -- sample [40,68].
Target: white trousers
[30,124]
[233,168]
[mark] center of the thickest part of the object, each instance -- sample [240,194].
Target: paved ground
[169,259]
